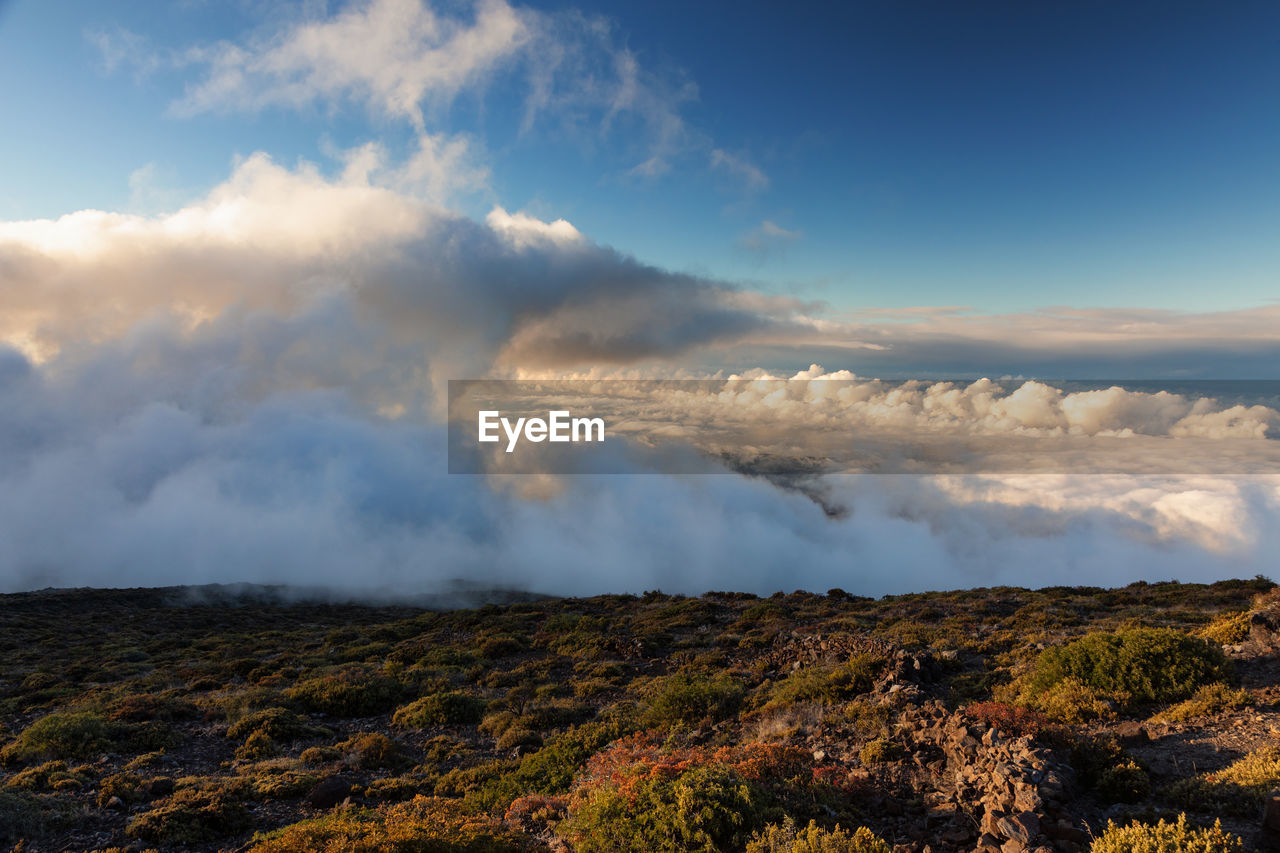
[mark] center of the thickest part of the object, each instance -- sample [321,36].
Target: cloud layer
[248,389]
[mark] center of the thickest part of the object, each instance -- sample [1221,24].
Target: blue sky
[1006,156]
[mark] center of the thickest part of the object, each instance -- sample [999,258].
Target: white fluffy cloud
[245,390]
[391,54]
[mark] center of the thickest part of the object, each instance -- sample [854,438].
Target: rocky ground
[209,719]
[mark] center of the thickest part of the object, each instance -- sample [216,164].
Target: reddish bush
[1008,719]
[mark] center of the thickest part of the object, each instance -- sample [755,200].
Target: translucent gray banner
[802,427]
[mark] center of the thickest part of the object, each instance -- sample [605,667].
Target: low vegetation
[1166,837]
[204,720]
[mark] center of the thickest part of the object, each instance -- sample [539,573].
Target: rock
[329,792]
[1263,629]
[161,786]
[1013,846]
[987,843]
[819,754]
[1021,827]
[1271,815]
[1269,837]
[116,803]
[1063,830]
[1132,733]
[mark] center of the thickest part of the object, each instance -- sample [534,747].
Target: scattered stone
[1132,733]
[329,792]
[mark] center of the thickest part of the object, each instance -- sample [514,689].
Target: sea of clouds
[252,388]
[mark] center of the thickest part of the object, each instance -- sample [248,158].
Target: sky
[245,246]
[1004,157]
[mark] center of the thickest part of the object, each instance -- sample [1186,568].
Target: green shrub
[440,709]
[1136,666]
[828,683]
[1126,782]
[1239,788]
[709,809]
[191,816]
[51,776]
[24,814]
[317,756]
[1075,703]
[517,736]
[351,692]
[371,751]
[1228,629]
[141,707]
[278,724]
[864,720]
[1210,699]
[62,734]
[256,747]
[813,839]
[282,784]
[423,825]
[130,788]
[692,700]
[1166,838]
[879,751]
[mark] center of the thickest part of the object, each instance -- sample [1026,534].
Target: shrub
[1126,782]
[879,751]
[351,692]
[1166,838]
[1210,699]
[1075,703]
[494,648]
[50,776]
[828,683]
[707,808]
[281,784]
[371,751]
[1228,629]
[423,825]
[866,721]
[638,795]
[190,816]
[691,700]
[1136,666]
[517,736]
[552,769]
[1239,788]
[24,814]
[813,839]
[128,787]
[62,734]
[276,723]
[1009,720]
[256,747]
[319,755]
[141,707]
[440,709]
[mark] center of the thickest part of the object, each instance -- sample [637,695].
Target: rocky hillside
[993,720]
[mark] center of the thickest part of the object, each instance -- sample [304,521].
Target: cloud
[1101,343]
[274,242]
[410,60]
[248,388]
[752,177]
[767,239]
[393,55]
